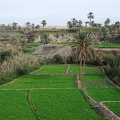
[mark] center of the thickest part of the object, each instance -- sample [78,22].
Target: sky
[57,12]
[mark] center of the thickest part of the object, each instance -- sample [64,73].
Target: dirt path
[32,106]
[78,82]
[67,69]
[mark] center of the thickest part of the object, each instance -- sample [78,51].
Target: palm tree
[33,26]
[14,26]
[83,50]
[107,22]
[86,23]
[90,16]
[74,22]
[44,23]
[28,25]
[69,24]
[80,23]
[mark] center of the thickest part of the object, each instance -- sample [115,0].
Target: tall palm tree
[44,23]
[80,23]
[14,26]
[69,24]
[74,22]
[28,25]
[107,22]
[33,26]
[86,23]
[83,50]
[90,16]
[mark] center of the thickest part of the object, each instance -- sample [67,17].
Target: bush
[58,59]
[20,64]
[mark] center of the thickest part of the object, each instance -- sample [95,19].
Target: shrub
[58,59]
[18,64]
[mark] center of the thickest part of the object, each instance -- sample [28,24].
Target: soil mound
[50,50]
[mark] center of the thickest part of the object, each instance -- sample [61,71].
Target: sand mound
[50,50]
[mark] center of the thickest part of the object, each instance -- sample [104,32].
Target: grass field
[14,106]
[94,78]
[34,44]
[63,105]
[75,69]
[108,45]
[104,94]
[115,107]
[29,82]
[54,95]
[52,69]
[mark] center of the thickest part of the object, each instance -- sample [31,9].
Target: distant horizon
[57,13]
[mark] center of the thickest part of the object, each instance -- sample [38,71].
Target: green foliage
[113,68]
[45,38]
[18,64]
[105,34]
[58,59]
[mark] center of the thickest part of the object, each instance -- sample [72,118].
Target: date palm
[69,24]
[80,23]
[107,22]
[74,22]
[28,25]
[44,23]
[83,50]
[86,23]
[90,16]
[14,26]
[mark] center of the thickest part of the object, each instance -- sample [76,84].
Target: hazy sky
[57,12]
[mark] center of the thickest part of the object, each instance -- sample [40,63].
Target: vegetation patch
[114,106]
[63,104]
[108,45]
[52,69]
[14,106]
[104,94]
[94,78]
[28,82]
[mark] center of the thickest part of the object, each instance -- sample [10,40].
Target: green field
[52,69]
[75,69]
[104,94]
[63,105]
[53,95]
[94,78]
[29,82]
[108,45]
[14,106]
[34,44]
[114,106]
